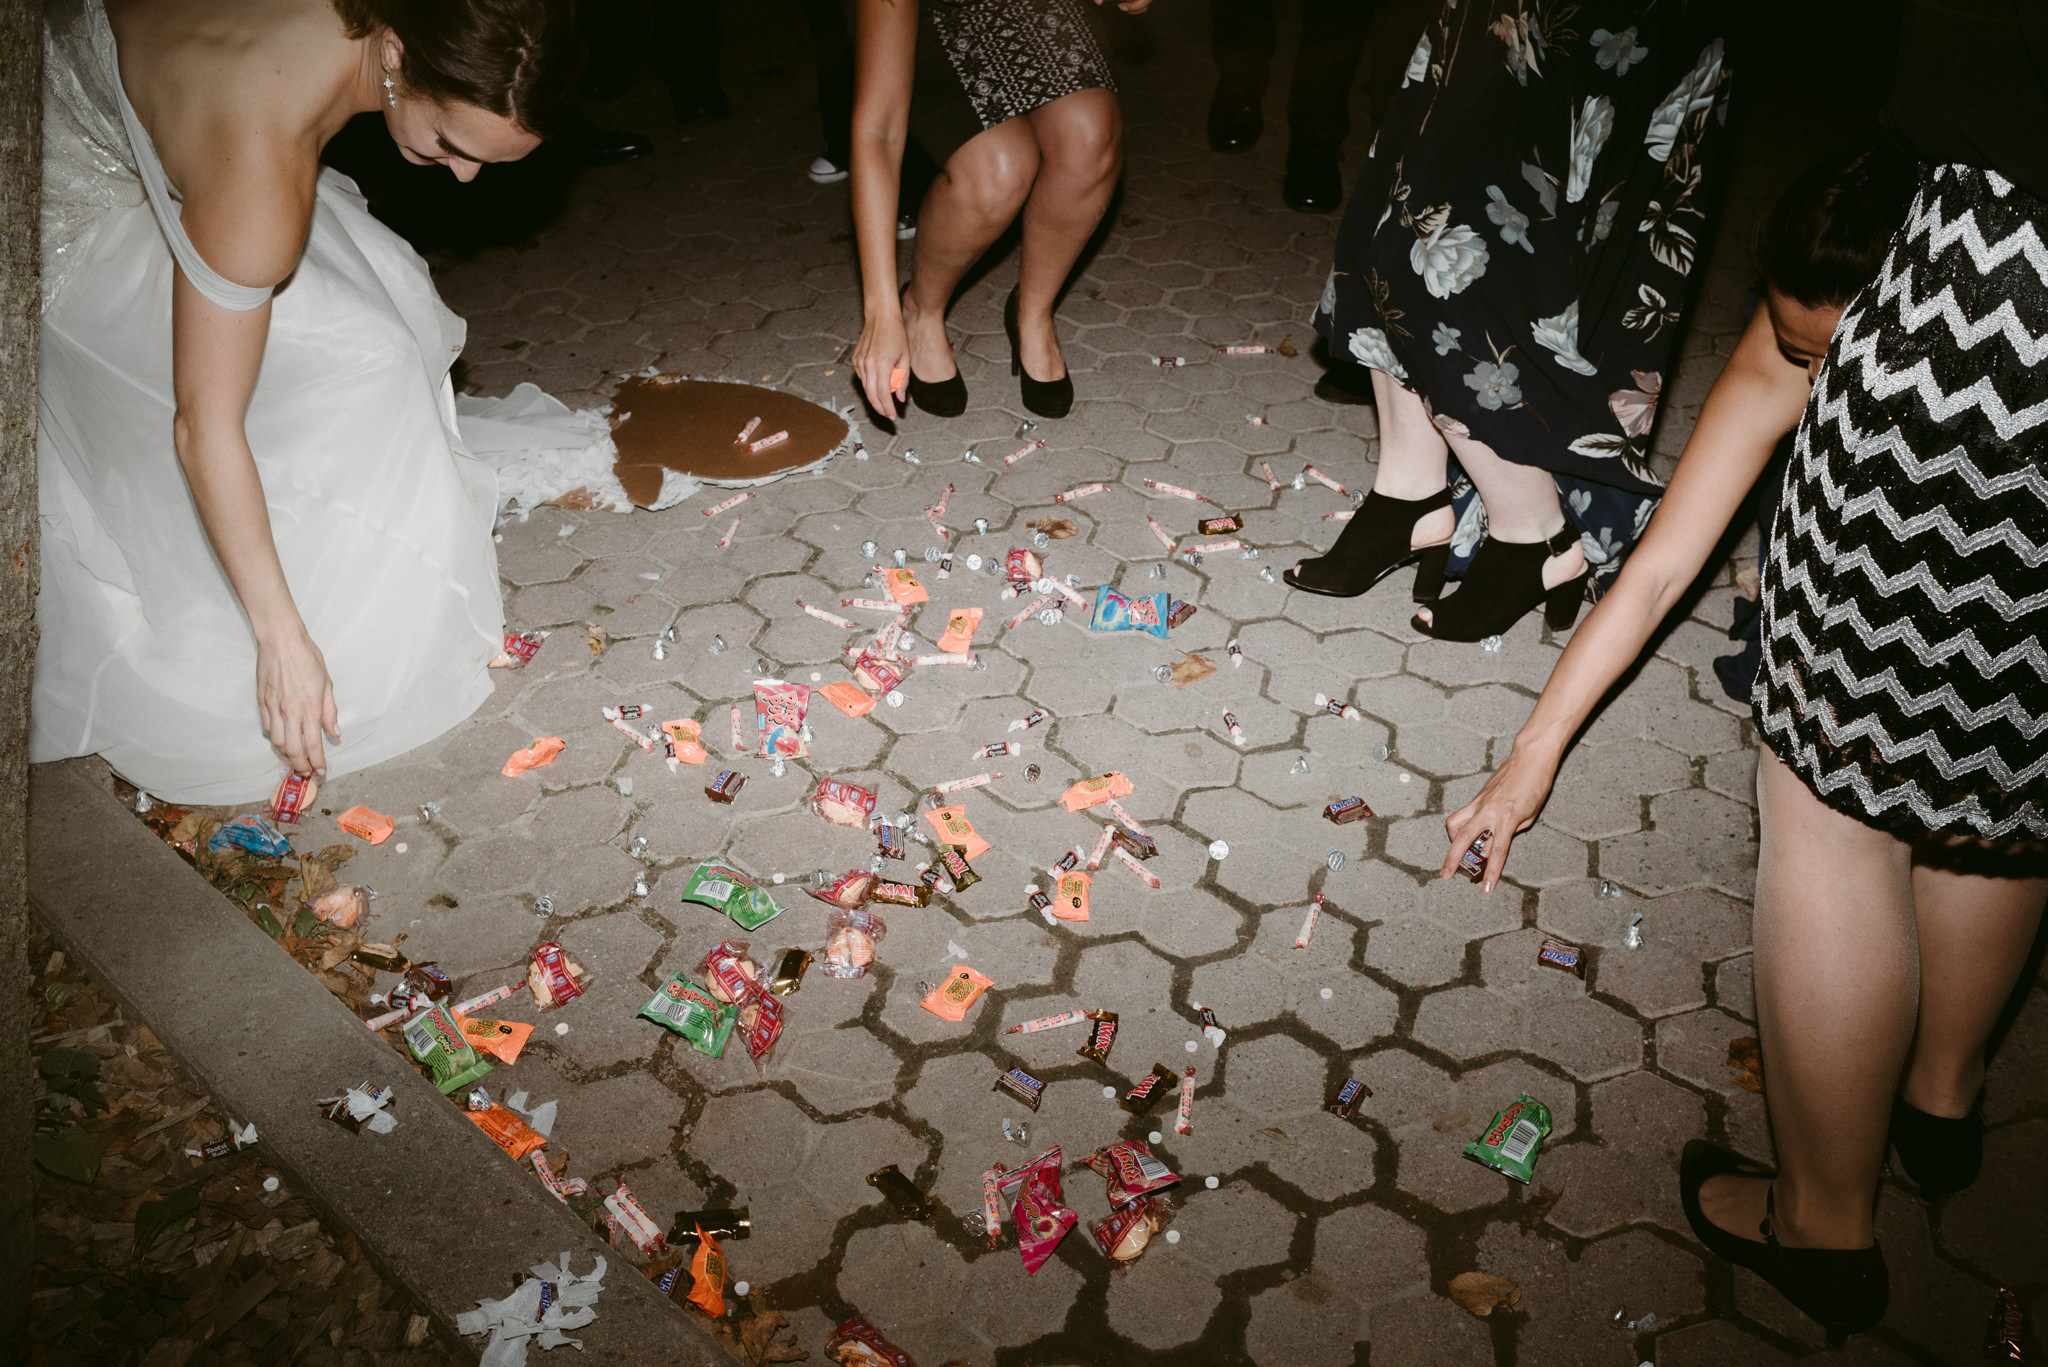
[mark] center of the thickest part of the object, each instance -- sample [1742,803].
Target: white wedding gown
[382,519]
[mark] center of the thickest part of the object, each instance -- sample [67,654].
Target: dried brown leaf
[334,856]
[1058,528]
[1746,1063]
[1286,348]
[599,639]
[1191,668]
[1482,1293]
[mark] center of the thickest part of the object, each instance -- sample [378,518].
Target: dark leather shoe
[1347,383]
[1313,185]
[1234,123]
[594,146]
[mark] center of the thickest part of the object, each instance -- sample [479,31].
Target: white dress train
[382,519]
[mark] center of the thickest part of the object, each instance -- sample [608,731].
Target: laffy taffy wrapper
[951,999]
[1514,1139]
[554,976]
[960,628]
[1093,792]
[508,1131]
[502,1040]
[436,1041]
[364,824]
[700,1018]
[1119,612]
[779,710]
[1131,1171]
[842,803]
[850,941]
[951,826]
[725,889]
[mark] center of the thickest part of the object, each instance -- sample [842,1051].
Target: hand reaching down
[295,699]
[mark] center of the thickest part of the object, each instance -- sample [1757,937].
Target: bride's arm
[248,218]
[885,39]
[1754,403]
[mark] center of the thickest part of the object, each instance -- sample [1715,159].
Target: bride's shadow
[504,206]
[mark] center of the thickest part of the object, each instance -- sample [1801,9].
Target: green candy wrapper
[726,889]
[1512,1142]
[684,1007]
[437,1041]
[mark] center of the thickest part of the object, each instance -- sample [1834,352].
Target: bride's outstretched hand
[1505,807]
[881,361]
[295,699]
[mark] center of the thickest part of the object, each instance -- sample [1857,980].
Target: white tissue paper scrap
[541,1117]
[540,1311]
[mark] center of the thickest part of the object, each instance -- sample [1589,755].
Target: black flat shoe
[1373,544]
[1941,1154]
[1313,184]
[1234,123]
[1843,1289]
[941,398]
[1504,582]
[1046,398]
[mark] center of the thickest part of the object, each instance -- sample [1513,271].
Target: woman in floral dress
[1512,269]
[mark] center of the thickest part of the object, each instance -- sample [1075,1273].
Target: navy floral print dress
[1523,237]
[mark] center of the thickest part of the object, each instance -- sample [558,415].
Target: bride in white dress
[264,546]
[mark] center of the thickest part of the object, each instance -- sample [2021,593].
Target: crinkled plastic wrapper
[508,1131]
[850,941]
[1041,1215]
[730,973]
[690,1011]
[725,889]
[554,976]
[1131,1171]
[842,803]
[436,1041]
[1128,1232]
[849,891]
[779,710]
[1514,1139]
[345,908]
[1119,612]
[856,1343]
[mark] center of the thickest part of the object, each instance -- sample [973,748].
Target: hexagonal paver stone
[1363,1256]
[1426,1330]
[1599,793]
[938,1306]
[1716,1343]
[1701,838]
[1468,1022]
[1171,1292]
[607,1125]
[1695,1047]
[1631,1173]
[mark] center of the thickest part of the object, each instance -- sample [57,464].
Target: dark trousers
[1333,32]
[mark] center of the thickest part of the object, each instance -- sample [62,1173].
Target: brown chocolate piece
[1345,1099]
[1346,810]
[726,786]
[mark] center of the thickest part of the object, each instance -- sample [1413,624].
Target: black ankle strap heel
[1375,543]
[1504,582]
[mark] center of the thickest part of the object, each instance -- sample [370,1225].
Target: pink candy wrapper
[779,710]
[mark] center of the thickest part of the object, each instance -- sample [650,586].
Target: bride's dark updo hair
[515,58]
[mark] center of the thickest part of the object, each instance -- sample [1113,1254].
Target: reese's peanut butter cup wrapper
[1511,1143]
[707,1276]
[502,1040]
[508,1131]
[1150,1090]
[1101,1035]
[951,826]
[951,999]
[1021,1085]
[1070,895]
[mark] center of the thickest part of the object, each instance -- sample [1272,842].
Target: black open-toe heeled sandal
[940,398]
[1940,1153]
[1375,543]
[1843,1289]
[1504,582]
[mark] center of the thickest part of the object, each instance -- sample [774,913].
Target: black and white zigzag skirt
[1906,588]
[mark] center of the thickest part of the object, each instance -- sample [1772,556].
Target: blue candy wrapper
[253,834]
[1118,612]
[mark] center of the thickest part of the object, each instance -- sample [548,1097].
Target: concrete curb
[435,1204]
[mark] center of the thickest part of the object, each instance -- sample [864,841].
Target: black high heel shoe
[940,398]
[1941,1154]
[1504,582]
[1046,398]
[1843,1289]
[1375,543]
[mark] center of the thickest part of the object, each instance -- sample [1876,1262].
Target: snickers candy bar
[726,786]
[1180,612]
[1472,864]
[1559,955]
[1345,1099]
[1151,1090]
[889,842]
[1346,810]
[1020,1085]
[1101,1035]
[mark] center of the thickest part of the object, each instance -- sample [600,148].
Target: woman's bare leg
[974,199]
[1837,988]
[1521,506]
[1081,145]
[1975,931]
[1414,461]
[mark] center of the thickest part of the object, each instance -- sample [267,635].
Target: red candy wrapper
[519,647]
[730,973]
[856,1343]
[295,793]
[761,1025]
[842,803]
[779,716]
[1131,1171]
[849,891]
[1042,1219]
[554,977]
[1128,1232]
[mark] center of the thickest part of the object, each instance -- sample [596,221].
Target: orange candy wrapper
[951,999]
[960,627]
[952,827]
[707,1272]
[851,699]
[1093,792]
[1070,895]
[684,736]
[542,751]
[502,1040]
[508,1131]
[903,586]
[365,824]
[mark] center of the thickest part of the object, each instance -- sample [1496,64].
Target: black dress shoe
[694,102]
[1313,185]
[594,146]
[1346,382]
[1234,123]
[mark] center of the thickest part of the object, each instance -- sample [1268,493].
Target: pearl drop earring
[390,91]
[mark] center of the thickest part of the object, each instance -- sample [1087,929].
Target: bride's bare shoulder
[192,67]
